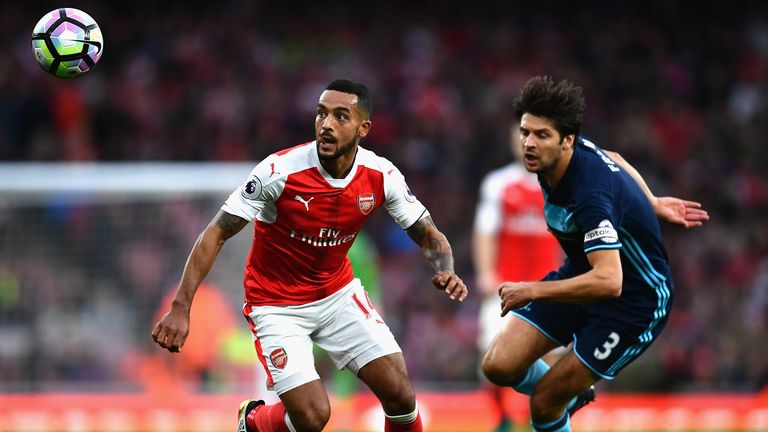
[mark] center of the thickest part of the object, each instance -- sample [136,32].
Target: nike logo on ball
[89,42]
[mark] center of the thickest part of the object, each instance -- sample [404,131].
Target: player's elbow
[211,237]
[614,290]
[607,282]
[606,274]
[612,284]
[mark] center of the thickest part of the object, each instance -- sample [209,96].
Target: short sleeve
[598,219]
[400,202]
[256,191]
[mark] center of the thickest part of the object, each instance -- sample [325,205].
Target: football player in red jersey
[308,203]
[510,241]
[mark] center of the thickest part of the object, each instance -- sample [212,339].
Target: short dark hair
[563,103]
[356,88]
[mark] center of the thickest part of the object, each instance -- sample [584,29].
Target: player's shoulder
[589,149]
[371,160]
[290,160]
[595,165]
[597,175]
[297,149]
[273,170]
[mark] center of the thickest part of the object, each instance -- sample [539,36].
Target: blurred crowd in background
[681,92]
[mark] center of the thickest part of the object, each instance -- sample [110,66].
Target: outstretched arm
[438,252]
[172,329]
[687,214]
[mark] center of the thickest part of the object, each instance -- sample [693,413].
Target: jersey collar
[342,182]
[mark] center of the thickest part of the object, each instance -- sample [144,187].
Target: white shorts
[490,323]
[345,325]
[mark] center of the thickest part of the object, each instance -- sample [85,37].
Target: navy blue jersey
[597,205]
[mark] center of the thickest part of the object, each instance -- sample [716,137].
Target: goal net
[89,254]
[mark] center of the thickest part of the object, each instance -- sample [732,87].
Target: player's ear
[568,141]
[365,126]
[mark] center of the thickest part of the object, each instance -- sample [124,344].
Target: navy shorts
[607,335]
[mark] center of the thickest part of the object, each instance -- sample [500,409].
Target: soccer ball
[67,42]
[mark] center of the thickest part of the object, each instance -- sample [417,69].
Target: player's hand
[515,295]
[451,284]
[687,214]
[172,330]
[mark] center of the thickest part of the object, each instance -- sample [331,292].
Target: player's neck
[554,176]
[339,168]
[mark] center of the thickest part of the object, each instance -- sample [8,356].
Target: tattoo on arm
[230,224]
[433,243]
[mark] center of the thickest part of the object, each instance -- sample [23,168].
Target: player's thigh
[531,331]
[515,348]
[357,334]
[283,346]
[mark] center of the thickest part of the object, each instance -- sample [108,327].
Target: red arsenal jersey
[511,207]
[305,221]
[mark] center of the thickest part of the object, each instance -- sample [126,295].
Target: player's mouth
[530,160]
[326,140]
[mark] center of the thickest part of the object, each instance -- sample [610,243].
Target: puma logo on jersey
[272,165]
[303,201]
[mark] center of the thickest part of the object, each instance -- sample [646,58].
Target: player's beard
[546,165]
[341,149]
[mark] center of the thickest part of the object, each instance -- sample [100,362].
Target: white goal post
[121,178]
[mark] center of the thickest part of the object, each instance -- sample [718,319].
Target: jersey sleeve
[564,272]
[488,210]
[399,201]
[256,191]
[598,218]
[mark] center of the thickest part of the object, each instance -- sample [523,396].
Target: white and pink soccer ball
[67,42]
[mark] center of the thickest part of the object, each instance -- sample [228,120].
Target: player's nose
[527,142]
[327,124]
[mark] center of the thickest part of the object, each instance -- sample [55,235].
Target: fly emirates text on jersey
[326,237]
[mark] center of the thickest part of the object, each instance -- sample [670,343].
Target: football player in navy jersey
[612,295]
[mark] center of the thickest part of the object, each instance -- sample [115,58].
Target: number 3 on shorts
[613,340]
